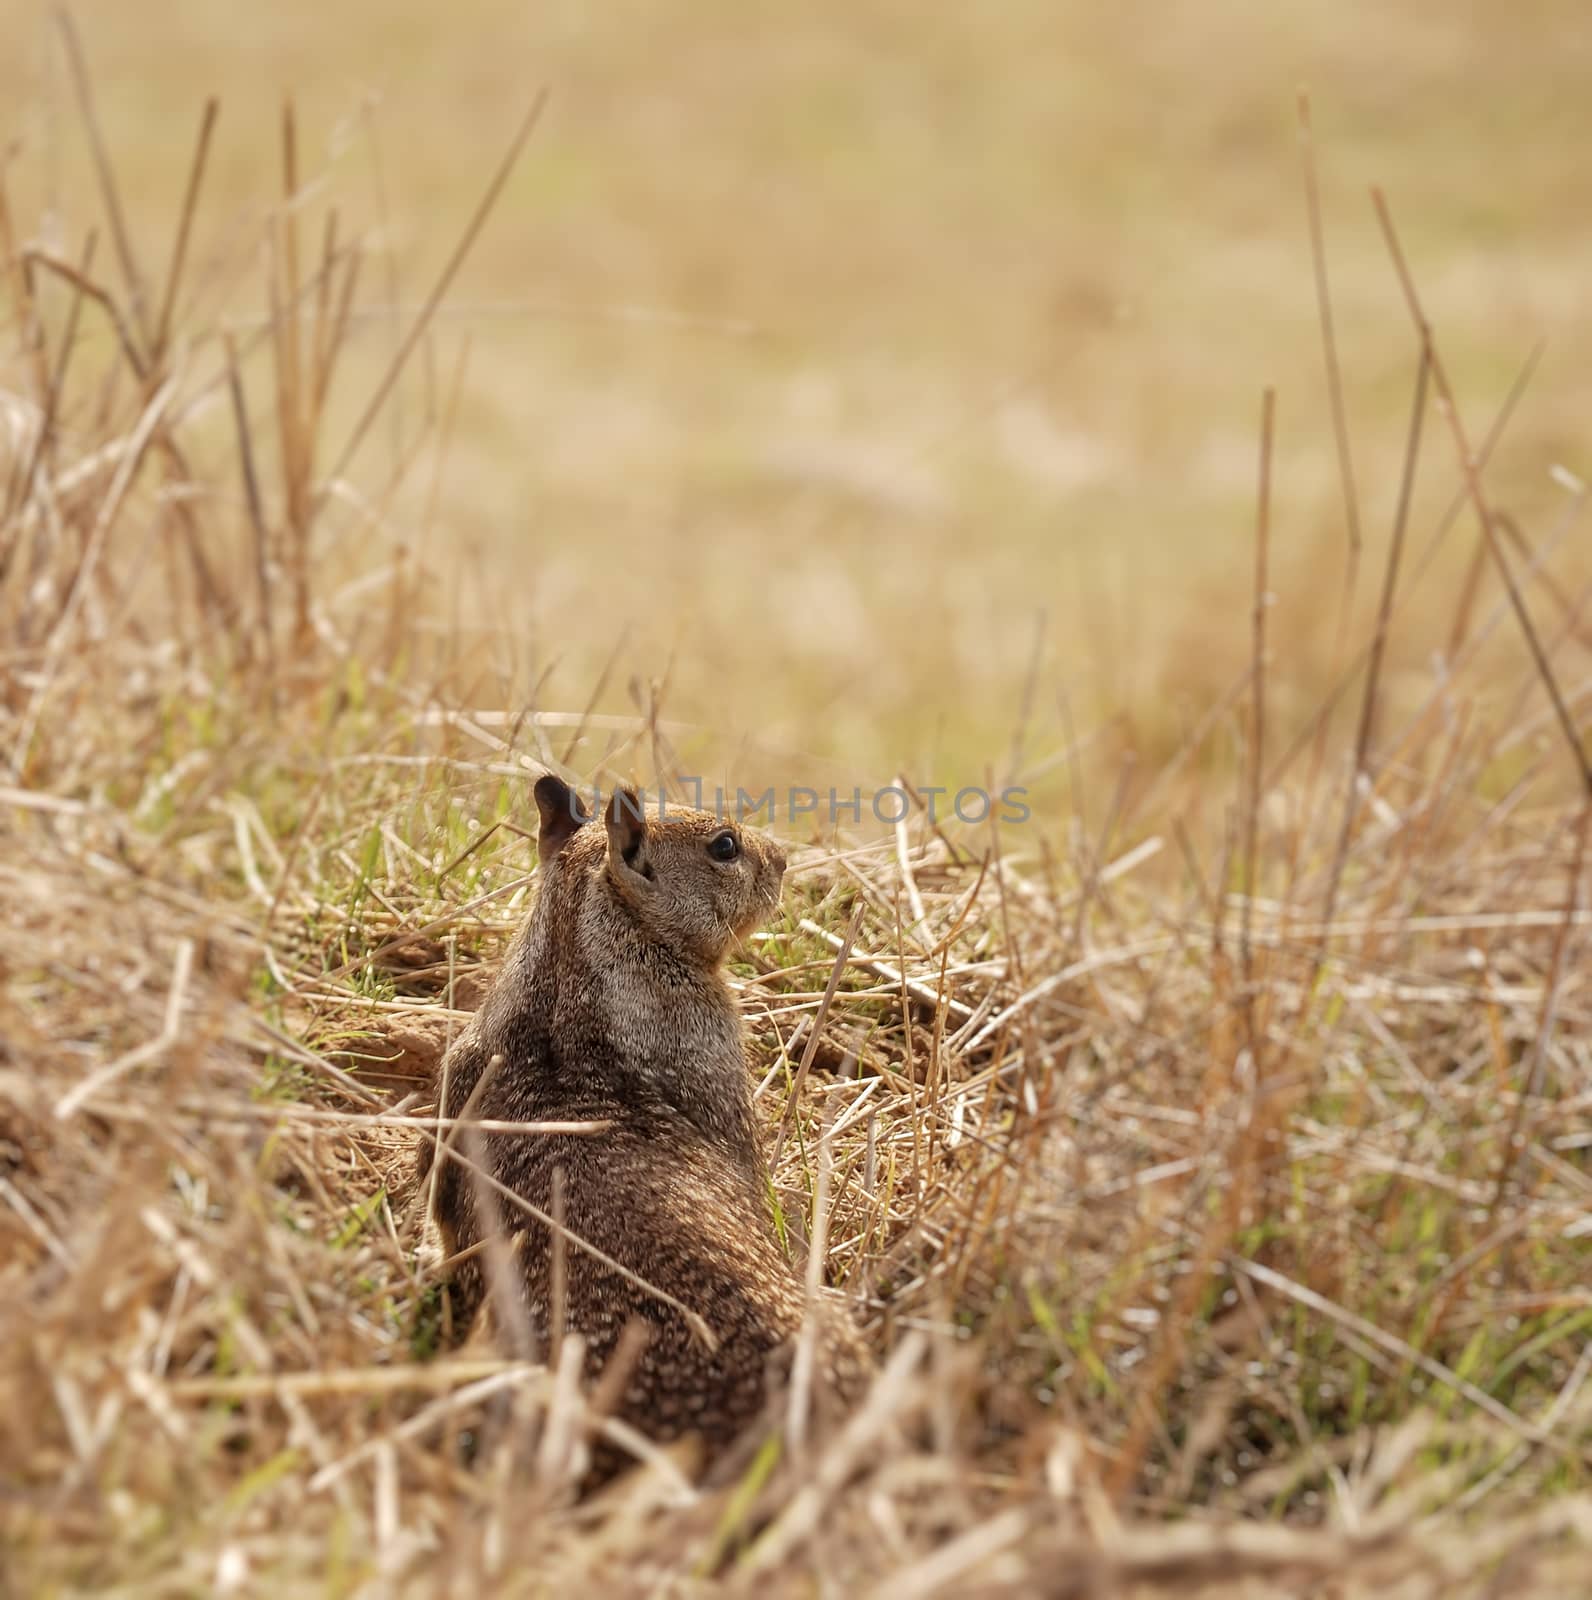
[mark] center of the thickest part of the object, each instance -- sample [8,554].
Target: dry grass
[941,322]
[1210,1171]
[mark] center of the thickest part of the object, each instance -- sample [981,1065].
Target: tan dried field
[839,401]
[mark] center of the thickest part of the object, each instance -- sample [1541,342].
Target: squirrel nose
[779,860]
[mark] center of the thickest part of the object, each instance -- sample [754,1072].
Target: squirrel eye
[724,846]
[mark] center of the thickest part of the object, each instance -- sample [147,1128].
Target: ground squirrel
[611,1006]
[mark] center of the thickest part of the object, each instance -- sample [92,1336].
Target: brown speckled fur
[610,1005]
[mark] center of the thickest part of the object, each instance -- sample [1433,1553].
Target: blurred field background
[842,356]
[829,394]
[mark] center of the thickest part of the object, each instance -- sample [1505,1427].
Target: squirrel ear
[626,821]
[562,815]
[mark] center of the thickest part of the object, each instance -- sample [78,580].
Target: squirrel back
[610,1007]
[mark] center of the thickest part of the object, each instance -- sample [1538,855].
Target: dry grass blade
[1329,342]
[1257,725]
[26,468]
[256,508]
[132,456]
[84,285]
[109,193]
[1478,496]
[179,251]
[1311,731]
[444,282]
[1359,773]
[815,1032]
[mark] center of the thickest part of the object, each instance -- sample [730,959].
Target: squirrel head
[689,880]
